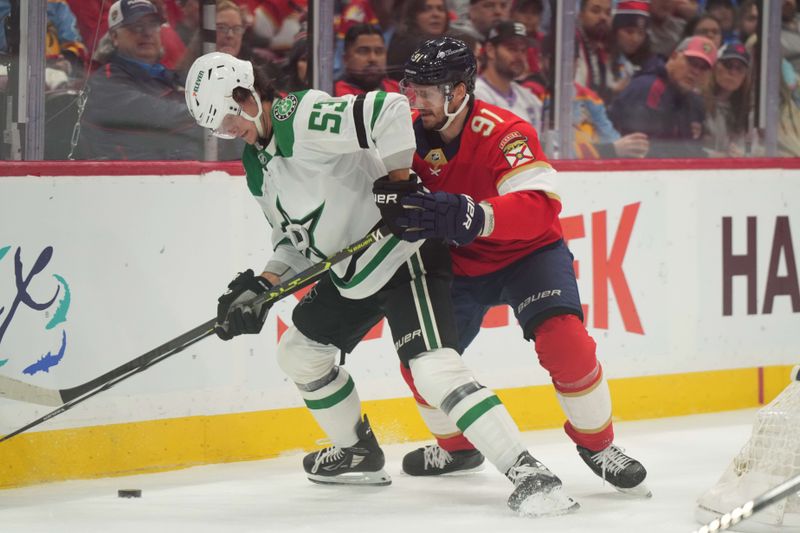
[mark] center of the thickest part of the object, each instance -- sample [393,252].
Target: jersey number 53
[327,116]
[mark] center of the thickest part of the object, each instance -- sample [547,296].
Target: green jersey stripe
[431,314]
[254,170]
[477,411]
[377,105]
[422,303]
[333,399]
[362,274]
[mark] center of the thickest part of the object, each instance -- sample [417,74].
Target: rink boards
[689,280]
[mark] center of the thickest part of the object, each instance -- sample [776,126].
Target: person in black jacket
[665,103]
[135,107]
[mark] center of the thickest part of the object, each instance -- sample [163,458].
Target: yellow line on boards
[168,444]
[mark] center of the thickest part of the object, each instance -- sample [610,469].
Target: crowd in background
[657,78]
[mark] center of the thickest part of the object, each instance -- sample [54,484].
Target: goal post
[768,459]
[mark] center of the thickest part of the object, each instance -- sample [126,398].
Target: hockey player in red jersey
[493,197]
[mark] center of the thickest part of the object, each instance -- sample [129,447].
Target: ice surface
[684,457]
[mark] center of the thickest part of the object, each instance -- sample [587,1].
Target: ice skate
[360,464]
[625,473]
[433,460]
[537,491]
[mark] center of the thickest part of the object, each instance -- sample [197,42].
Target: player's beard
[439,125]
[598,32]
[370,78]
[435,126]
[508,70]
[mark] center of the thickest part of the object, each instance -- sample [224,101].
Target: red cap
[700,47]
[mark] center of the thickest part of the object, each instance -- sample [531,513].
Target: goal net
[770,457]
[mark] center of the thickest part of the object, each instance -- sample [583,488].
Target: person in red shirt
[364,62]
[493,197]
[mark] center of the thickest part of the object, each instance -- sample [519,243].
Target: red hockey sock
[567,352]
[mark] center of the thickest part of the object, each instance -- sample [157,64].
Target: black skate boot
[361,464]
[625,473]
[433,460]
[537,490]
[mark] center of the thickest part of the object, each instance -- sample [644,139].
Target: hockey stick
[67,398]
[734,516]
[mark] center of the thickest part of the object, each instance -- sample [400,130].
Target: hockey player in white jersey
[311,161]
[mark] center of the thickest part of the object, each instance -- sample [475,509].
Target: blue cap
[124,12]
[734,50]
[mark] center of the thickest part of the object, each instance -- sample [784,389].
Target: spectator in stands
[190,20]
[529,14]
[506,52]
[296,69]
[364,62]
[788,108]
[687,9]
[172,48]
[483,14]
[665,104]
[91,17]
[64,47]
[790,33]
[229,31]
[380,13]
[421,20]
[595,136]
[540,82]
[594,30]
[725,12]
[747,19]
[277,22]
[667,22]
[230,28]
[728,103]
[707,26]
[630,44]
[136,107]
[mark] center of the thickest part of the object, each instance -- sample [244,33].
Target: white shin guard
[442,378]
[441,425]
[589,411]
[328,390]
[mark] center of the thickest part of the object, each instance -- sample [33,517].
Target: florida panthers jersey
[314,179]
[496,158]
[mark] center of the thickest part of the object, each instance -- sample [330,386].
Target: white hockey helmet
[209,91]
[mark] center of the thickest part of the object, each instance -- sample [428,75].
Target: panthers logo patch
[516,150]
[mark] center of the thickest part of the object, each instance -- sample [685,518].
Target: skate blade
[380,478]
[454,473]
[639,491]
[552,503]
[465,471]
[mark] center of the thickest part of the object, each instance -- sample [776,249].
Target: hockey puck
[129,493]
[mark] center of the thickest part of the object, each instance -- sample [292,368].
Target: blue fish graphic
[47,361]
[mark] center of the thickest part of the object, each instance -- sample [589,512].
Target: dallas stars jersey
[496,158]
[314,180]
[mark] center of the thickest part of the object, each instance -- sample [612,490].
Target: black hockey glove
[456,218]
[388,197]
[235,313]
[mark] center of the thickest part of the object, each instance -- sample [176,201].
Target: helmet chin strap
[256,119]
[452,116]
